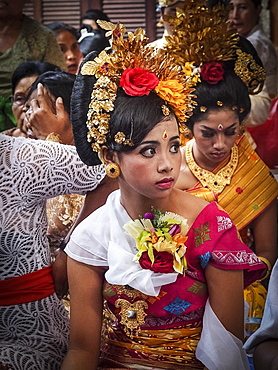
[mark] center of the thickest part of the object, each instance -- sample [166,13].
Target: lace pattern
[34,335]
[33,171]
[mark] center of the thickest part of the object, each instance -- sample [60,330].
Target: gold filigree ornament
[205,38]
[132,315]
[216,182]
[130,53]
[250,72]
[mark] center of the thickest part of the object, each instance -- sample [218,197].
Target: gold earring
[112,170]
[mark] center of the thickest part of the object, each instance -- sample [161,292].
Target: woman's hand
[42,118]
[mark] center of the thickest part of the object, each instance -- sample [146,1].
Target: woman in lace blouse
[34,322]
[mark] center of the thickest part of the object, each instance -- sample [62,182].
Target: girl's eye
[175,148]
[230,132]
[207,134]
[148,152]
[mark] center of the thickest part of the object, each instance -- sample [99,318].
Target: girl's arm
[226,298]
[86,304]
[265,233]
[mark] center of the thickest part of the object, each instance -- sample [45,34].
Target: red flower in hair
[212,72]
[138,82]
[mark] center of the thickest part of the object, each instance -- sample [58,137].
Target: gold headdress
[206,42]
[134,67]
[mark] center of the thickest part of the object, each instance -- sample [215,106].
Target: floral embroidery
[239,190]
[198,288]
[224,223]
[153,299]
[202,234]
[205,259]
[255,207]
[177,306]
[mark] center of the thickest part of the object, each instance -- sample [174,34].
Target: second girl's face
[153,167]
[215,135]
[71,51]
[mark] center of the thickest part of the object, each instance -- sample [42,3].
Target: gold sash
[251,190]
[170,346]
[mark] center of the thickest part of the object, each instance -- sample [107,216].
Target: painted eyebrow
[157,142]
[211,129]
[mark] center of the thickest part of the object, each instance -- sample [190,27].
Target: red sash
[27,288]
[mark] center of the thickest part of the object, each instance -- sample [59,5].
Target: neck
[138,205]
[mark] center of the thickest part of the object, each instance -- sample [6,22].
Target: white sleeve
[260,109]
[218,349]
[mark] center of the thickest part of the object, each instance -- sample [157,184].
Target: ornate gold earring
[112,170]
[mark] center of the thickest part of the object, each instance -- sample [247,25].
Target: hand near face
[46,115]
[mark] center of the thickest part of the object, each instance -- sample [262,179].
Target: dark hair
[92,40]
[94,14]
[231,92]
[31,68]
[134,116]
[58,27]
[58,83]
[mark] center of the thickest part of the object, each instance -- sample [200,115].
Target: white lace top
[31,172]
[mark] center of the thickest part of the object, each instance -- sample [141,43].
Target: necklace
[216,182]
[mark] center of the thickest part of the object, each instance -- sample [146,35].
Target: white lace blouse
[31,172]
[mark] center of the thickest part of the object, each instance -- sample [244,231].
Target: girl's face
[19,99]
[243,16]
[151,169]
[215,135]
[71,51]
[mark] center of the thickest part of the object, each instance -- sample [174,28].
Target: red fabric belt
[27,288]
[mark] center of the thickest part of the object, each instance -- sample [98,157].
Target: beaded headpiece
[207,43]
[134,67]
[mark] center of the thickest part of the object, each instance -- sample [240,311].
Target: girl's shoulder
[188,205]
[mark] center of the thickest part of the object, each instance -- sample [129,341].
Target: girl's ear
[107,156]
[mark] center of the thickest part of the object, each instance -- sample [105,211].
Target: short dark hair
[95,14]
[60,84]
[31,68]
[135,116]
[58,27]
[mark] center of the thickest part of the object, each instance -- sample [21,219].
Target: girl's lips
[165,183]
[218,155]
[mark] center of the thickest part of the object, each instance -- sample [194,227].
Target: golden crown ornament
[130,61]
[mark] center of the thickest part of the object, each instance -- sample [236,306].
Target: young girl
[157,274]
